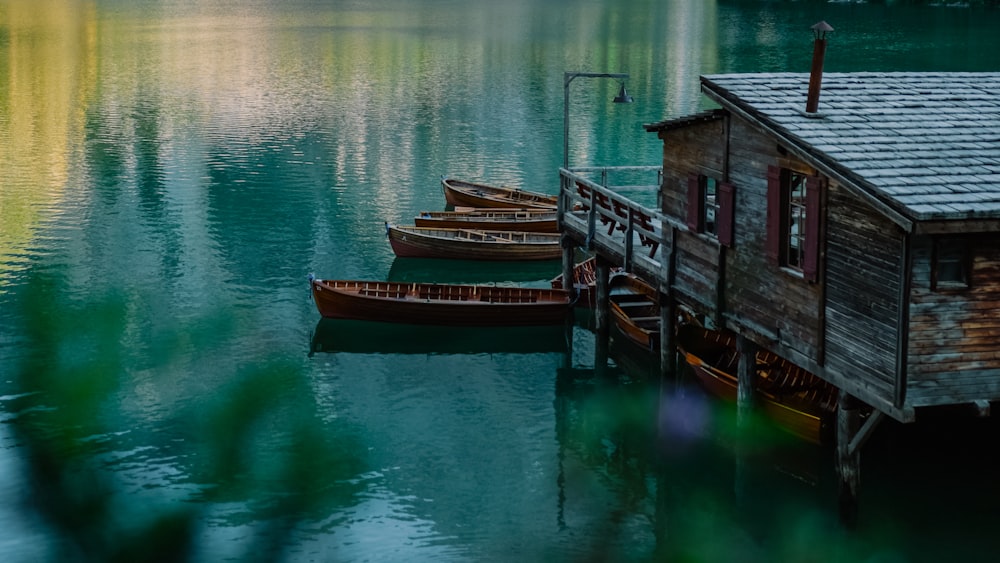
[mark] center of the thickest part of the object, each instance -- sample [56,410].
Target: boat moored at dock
[440,304]
[472,244]
[471,194]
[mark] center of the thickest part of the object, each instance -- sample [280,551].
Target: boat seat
[631,304]
[622,298]
[645,319]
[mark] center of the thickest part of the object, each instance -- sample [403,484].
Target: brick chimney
[816,73]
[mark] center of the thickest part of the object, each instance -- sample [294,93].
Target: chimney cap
[821,28]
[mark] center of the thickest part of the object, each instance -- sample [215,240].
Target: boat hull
[469,194]
[796,400]
[440,304]
[469,244]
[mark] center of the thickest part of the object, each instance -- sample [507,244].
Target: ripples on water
[172,171]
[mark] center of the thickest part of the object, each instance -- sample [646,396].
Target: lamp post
[621,98]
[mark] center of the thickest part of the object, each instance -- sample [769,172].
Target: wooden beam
[568,259]
[602,306]
[848,460]
[982,407]
[746,373]
[865,432]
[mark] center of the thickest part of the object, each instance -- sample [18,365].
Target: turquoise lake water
[170,173]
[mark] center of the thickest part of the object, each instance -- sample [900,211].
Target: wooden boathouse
[858,238]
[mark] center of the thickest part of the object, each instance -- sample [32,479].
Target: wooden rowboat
[493,219]
[797,400]
[636,310]
[469,194]
[472,244]
[440,304]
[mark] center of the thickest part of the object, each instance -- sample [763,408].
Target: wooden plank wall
[697,148]
[954,351]
[864,265]
[760,293]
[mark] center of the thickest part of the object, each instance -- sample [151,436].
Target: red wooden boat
[492,219]
[635,306]
[794,398]
[472,244]
[470,194]
[440,304]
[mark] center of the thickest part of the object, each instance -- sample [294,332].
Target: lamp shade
[622,97]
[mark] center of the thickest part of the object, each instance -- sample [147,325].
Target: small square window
[952,264]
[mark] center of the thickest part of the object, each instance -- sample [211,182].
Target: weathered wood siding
[760,294]
[864,269]
[954,346]
[697,148]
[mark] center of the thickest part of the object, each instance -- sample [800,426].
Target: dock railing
[603,220]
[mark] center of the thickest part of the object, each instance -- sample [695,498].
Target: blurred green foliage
[255,440]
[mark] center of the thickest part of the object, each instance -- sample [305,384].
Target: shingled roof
[925,144]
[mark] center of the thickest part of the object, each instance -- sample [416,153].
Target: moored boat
[797,400]
[440,304]
[472,244]
[494,219]
[636,310]
[470,194]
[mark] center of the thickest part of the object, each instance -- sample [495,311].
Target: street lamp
[621,98]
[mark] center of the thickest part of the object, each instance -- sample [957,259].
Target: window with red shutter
[810,242]
[794,220]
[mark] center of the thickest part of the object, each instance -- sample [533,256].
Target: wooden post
[602,307]
[668,306]
[568,262]
[602,318]
[848,458]
[746,373]
[668,339]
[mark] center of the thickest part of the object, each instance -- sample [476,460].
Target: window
[793,220]
[710,207]
[796,211]
[710,204]
[952,264]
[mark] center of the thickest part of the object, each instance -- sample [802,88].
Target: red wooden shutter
[810,258]
[694,203]
[724,218]
[774,212]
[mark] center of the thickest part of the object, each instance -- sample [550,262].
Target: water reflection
[196,159]
[607,461]
[48,54]
[366,337]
